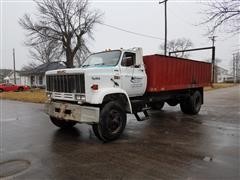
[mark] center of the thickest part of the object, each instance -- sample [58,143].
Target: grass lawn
[39,96]
[219,85]
[34,95]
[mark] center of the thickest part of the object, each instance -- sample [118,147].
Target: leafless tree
[67,23]
[223,13]
[82,55]
[178,45]
[29,66]
[45,52]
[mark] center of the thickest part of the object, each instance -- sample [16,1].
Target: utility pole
[234,68]
[14,68]
[165,12]
[237,66]
[212,38]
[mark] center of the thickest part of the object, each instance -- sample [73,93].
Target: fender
[98,96]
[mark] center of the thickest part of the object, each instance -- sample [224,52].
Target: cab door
[133,77]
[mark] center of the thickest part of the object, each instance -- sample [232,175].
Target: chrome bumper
[82,114]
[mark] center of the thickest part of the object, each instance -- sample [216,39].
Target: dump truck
[113,83]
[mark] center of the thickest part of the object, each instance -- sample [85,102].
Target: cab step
[145,116]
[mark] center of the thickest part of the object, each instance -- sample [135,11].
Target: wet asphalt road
[170,145]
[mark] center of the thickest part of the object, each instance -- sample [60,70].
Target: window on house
[32,80]
[40,80]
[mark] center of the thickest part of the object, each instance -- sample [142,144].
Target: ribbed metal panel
[72,83]
[170,73]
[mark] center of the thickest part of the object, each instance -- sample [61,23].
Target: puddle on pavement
[13,167]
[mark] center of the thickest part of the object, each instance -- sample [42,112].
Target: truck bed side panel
[170,73]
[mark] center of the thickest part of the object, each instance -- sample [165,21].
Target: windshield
[109,58]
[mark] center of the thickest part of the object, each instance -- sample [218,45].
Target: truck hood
[95,70]
[66,71]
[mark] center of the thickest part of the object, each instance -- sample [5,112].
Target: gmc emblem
[61,72]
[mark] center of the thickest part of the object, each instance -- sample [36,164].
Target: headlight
[80,97]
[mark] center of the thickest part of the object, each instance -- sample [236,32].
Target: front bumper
[67,111]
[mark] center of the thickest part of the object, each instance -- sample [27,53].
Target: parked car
[13,87]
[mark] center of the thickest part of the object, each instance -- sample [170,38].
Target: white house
[36,77]
[20,79]
[222,74]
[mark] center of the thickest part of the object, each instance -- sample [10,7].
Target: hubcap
[197,102]
[114,123]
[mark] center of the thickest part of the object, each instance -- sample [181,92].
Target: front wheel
[112,122]
[62,123]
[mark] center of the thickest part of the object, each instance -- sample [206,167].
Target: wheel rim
[115,121]
[197,102]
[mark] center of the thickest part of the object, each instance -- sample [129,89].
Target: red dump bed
[166,73]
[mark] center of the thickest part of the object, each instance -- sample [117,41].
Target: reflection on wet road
[170,145]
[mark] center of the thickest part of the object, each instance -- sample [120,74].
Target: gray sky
[145,17]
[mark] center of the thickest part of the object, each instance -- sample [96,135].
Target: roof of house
[11,73]
[220,68]
[5,72]
[45,67]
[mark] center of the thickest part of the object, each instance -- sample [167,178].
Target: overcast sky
[145,17]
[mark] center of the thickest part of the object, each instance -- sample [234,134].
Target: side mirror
[127,61]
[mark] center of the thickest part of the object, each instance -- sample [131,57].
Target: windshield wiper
[99,64]
[86,65]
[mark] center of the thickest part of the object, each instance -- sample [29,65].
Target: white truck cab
[97,93]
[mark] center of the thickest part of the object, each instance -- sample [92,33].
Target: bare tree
[29,66]
[45,52]
[223,13]
[64,22]
[178,45]
[82,55]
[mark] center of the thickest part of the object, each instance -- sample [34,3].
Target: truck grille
[72,83]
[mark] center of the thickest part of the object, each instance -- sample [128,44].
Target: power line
[131,32]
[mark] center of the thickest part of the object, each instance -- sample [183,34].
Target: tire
[20,89]
[192,105]
[112,122]
[1,90]
[62,123]
[157,105]
[172,102]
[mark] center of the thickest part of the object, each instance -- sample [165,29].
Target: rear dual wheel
[157,105]
[112,122]
[192,104]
